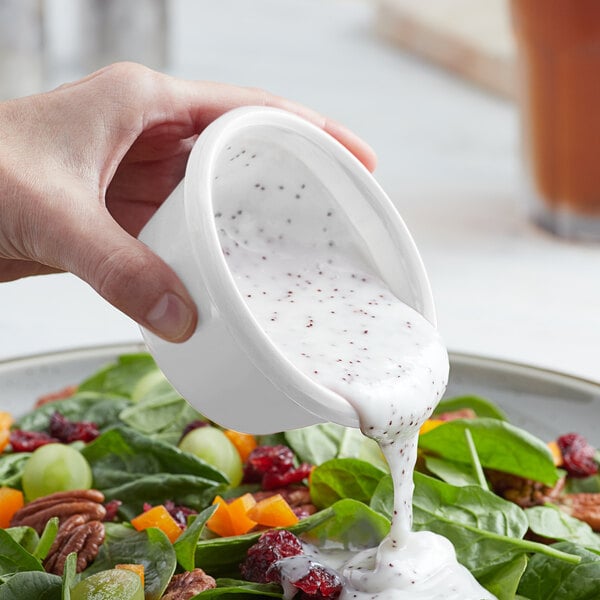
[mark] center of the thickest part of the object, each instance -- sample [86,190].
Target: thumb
[135,280]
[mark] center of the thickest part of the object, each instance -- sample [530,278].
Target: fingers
[132,278]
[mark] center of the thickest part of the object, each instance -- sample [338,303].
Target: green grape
[55,468]
[152,384]
[114,584]
[212,446]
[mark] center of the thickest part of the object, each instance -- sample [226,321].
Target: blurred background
[430,85]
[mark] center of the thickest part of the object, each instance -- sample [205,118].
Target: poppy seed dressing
[306,275]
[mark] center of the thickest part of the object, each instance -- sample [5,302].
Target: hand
[83,168]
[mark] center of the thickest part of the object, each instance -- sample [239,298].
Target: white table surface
[448,157]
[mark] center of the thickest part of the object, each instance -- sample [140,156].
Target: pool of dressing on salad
[305,274]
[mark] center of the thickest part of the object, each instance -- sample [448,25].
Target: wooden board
[472,38]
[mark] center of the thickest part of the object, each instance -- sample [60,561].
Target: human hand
[83,168]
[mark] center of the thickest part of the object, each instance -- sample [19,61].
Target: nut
[188,584]
[86,503]
[293,495]
[75,534]
[521,491]
[585,507]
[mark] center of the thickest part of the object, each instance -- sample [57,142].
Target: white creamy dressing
[303,275]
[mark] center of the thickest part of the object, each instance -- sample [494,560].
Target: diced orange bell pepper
[429,425]
[139,569]
[4,439]
[244,442]
[220,520]
[273,512]
[556,453]
[158,517]
[238,512]
[6,420]
[11,501]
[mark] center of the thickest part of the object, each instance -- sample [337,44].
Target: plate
[546,403]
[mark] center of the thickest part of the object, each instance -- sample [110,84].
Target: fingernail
[170,317]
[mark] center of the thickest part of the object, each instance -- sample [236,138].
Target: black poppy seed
[257,185]
[329,213]
[288,220]
[302,186]
[253,156]
[297,196]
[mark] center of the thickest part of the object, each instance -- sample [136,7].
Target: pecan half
[76,534]
[86,503]
[521,491]
[585,507]
[188,584]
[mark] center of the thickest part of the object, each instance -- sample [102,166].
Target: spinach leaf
[319,443]
[161,417]
[122,376]
[30,585]
[521,453]
[382,500]
[14,558]
[25,536]
[344,478]
[586,485]
[552,523]
[46,539]
[100,408]
[481,407]
[503,580]
[486,530]
[11,468]
[234,588]
[69,575]
[451,471]
[122,455]
[150,548]
[354,525]
[549,579]
[185,546]
[222,556]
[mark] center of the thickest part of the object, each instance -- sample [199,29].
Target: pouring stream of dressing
[305,278]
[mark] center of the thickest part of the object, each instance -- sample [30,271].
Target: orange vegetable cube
[220,521]
[160,518]
[273,512]
[238,512]
[244,442]
[4,439]
[430,424]
[556,453]
[10,502]
[139,569]
[6,420]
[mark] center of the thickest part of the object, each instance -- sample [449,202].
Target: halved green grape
[55,468]
[114,584]
[212,446]
[152,384]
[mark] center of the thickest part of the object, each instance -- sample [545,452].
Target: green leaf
[234,588]
[14,558]
[450,471]
[503,580]
[382,500]
[481,407]
[100,408]
[25,536]
[11,468]
[486,530]
[585,485]
[46,539]
[122,376]
[552,523]
[150,548]
[185,546]
[521,453]
[69,575]
[354,525]
[32,585]
[344,478]
[549,579]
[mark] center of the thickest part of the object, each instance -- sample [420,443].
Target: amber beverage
[559,53]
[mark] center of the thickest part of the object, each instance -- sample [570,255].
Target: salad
[117,488]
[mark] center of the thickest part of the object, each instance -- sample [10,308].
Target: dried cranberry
[272,480]
[28,441]
[317,583]
[267,459]
[179,513]
[112,508]
[271,546]
[72,431]
[578,455]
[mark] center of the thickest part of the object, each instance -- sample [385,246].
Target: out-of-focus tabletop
[448,158]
